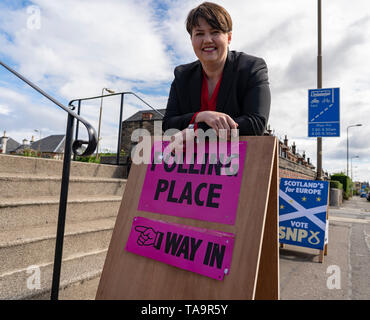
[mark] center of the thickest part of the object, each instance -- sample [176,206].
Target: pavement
[344,273]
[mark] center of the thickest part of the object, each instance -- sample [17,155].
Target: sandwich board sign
[230,254]
[323,112]
[303,206]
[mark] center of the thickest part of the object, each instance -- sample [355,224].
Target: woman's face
[210,45]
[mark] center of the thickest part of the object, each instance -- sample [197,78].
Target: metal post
[347,150]
[62,209]
[77,125]
[100,114]
[119,130]
[319,85]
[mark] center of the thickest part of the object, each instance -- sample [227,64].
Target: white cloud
[4,110]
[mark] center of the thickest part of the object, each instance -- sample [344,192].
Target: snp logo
[34,18]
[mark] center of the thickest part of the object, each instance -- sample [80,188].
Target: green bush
[345,181]
[334,184]
[90,159]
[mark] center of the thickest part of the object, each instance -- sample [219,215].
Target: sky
[75,48]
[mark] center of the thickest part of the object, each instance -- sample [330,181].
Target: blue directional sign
[303,206]
[323,112]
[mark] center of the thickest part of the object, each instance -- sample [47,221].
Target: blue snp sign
[323,113]
[303,206]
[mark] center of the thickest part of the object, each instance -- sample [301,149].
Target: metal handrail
[115,94]
[77,147]
[77,144]
[122,94]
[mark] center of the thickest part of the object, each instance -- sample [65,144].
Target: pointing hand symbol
[147,236]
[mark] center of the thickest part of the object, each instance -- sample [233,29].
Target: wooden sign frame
[254,272]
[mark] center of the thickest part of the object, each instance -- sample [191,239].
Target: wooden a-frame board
[254,272]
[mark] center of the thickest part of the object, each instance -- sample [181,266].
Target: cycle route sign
[323,112]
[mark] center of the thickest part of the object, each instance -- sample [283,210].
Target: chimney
[25,142]
[286,141]
[294,148]
[3,141]
[304,155]
[308,160]
[32,139]
[147,116]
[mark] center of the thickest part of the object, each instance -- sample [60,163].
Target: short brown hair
[215,15]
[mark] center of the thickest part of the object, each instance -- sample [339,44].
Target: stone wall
[128,127]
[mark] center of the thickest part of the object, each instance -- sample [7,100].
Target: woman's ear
[229,36]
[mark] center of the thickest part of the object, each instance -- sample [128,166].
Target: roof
[138,116]
[53,143]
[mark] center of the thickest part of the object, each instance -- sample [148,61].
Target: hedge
[335,184]
[345,181]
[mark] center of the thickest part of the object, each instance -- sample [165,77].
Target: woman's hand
[217,121]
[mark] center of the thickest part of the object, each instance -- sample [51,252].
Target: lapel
[226,81]
[196,88]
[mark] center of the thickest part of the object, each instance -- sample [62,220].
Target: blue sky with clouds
[74,48]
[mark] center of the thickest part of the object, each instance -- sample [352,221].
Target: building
[51,147]
[7,144]
[294,165]
[145,119]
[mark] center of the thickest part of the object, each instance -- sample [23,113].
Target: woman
[223,89]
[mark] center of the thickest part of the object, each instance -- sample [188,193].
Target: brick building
[146,119]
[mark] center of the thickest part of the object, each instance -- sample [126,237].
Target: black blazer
[244,94]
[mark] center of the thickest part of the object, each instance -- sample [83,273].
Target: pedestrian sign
[303,206]
[323,112]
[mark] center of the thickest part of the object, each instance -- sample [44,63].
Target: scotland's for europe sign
[303,206]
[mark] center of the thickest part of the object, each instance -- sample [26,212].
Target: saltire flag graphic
[303,206]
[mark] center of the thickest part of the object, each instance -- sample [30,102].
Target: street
[345,271]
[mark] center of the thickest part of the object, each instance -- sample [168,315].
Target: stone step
[16,213]
[79,279]
[36,246]
[40,166]
[83,288]
[27,186]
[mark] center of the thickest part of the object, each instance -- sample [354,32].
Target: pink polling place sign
[203,251]
[205,186]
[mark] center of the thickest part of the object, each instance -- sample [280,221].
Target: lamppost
[352,167]
[101,110]
[319,85]
[354,125]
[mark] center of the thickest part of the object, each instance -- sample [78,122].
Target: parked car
[363,195]
[368,197]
